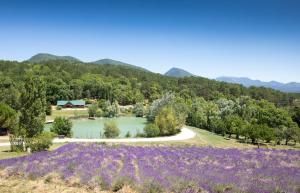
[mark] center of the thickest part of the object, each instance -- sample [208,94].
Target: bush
[41,142]
[152,187]
[121,182]
[111,130]
[167,122]
[151,130]
[109,109]
[139,110]
[93,110]
[186,187]
[99,113]
[62,126]
[128,135]
[58,108]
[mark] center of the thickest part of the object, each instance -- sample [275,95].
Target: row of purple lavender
[251,170]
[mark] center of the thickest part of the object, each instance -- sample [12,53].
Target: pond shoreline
[94,128]
[184,134]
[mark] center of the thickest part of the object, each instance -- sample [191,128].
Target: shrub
[93,110]
[152,187]
[58,108]
[41,142]
[111,130]
[110,109]
[186,187]
[128,135]
[151,130]
[167,122]
[62,126]
[139,110]
[120,183]
[99,113]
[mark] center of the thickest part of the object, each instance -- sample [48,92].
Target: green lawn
[202,138]
[67,113]
[6,153]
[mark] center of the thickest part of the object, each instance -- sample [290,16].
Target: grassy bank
[68,113]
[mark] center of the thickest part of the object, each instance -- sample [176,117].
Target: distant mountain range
[42,57]
[178,72]
[288,87]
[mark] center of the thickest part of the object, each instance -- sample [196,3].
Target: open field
[4,139]
[163,168]
[5,152]
[67,113]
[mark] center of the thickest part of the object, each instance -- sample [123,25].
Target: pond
[93,129]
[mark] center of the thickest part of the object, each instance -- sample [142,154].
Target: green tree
[139,110]
[111,129]
[234,125]
[10,94]
[93,110]
[62,126]
[167,100]
[33,106]
[296,115]
[8,118]
[110,109]
[267,133]
[197,115]
[167,122]
[218,126]
[291,132]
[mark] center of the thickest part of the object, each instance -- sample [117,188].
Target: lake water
[91,129]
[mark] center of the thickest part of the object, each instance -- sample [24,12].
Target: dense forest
[257,114]
[75,80]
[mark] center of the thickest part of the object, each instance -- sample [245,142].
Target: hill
[42,57]
[115,62]
[292,87]
[178,72]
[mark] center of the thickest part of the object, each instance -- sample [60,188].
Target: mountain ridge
[247,82]
[116,62]
[40,57]
[178,72]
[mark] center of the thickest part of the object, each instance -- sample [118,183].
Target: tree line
[257,114]
[76,80]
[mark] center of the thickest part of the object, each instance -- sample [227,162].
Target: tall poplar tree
[33,106]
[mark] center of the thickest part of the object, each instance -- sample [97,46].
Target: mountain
[41,57]
[115,62]
[177,72]
[293,87]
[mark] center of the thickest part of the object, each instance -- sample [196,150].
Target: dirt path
[183,135]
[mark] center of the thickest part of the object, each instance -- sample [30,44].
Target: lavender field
[166,168]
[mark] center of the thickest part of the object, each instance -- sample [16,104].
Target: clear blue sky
[259,39]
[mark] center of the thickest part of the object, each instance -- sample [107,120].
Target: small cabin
[71,104]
